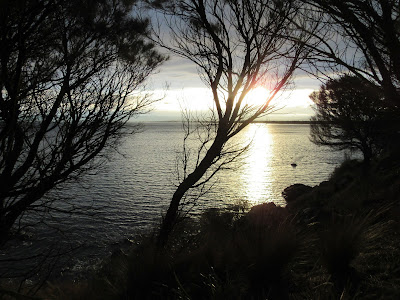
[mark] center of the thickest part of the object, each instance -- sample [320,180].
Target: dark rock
[343,182]
[294,191]
[325,184]
[325,189]
[267,214]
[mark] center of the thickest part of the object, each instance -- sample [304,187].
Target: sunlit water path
[130,192]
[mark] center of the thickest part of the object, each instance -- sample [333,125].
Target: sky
[178,85]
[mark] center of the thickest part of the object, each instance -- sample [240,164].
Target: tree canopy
[68,70]
[350,113]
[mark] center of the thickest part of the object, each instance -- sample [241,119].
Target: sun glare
[257,96]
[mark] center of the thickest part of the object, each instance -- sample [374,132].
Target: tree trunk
[170,218]
[6,223]
[9,217]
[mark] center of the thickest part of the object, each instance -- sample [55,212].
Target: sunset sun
[258,96]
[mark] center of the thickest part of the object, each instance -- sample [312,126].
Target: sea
[112,206]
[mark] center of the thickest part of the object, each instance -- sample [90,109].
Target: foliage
[350,114]
[362,37]
[342,241]
[67,77]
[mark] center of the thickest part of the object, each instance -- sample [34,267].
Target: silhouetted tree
[364,38]
[349,115]
[237,46]
[68,70]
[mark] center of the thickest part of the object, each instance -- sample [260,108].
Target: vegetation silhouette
[351,114]
[68,71]
[360,37]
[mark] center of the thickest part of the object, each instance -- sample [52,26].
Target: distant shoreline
[254,122]
[285,122]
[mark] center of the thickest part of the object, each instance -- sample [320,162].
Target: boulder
[267,214]
[294,191]
[343,182]
[325,189]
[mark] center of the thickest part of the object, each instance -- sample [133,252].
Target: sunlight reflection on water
[256,178]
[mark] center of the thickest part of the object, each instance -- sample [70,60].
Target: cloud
[306,82]
[177,73]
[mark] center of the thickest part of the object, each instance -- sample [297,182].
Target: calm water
[130,192]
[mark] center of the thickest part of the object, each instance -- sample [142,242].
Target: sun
[258,96]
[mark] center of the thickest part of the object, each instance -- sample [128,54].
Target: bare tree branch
[237,46]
